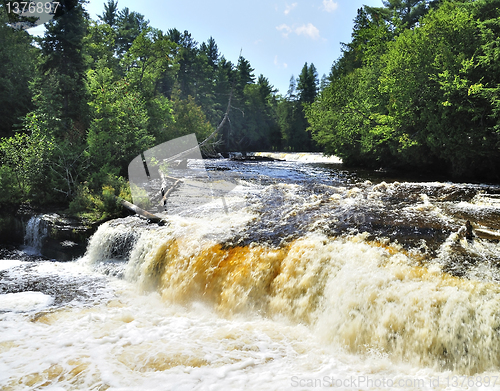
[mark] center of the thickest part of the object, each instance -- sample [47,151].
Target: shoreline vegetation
[417,88]
[415,91]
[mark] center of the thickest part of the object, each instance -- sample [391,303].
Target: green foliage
[99,45]
[291,110]
[17,69]
[307,83]
[101,203]
[129,26]
[348,119]
[422,97]
[110,14]
[92,95]
[24,160]
[188,118]
[118,131]
[291,124]
[11,191]
[61,81]
[149,62]
[434,87]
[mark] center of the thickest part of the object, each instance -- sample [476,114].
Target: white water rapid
[308,277]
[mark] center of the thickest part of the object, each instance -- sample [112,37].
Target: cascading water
[36,232]
[309,277]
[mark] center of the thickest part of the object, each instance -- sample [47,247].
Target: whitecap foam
[9,263]
[24,301]
[308,157]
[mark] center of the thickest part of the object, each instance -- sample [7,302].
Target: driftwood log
[141,212]
[487,234]
[469,232]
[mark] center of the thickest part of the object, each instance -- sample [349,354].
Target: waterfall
[351,291]
[311,277]
[36,232]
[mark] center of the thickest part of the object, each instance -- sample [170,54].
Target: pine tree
[211,51]
[129,25]
[244,75]
[307,85]
[61,86]
[110,13]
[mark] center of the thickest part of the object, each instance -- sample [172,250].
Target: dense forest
[417,88]
[79,103]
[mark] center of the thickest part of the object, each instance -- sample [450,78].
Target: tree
[291,119]
[370,36]
[23,158]
[100,46]
[408,12]
[61,83]
[430,100]
[292,88]
[211,50]
[17,69]
[110,14]
[348,119]
[150,63]
[438,107]
[244,75]
[260,128]
[307,84]
[129,25]
[293,123]
[188,118]
[118,131]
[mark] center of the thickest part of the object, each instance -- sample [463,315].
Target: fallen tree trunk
[487,234]
[144,213]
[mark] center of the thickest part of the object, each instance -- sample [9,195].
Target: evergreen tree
[307,84]
[292,88]
[244,75]
[291,119]
[211,50]
[61,84]
[129,25]
[110,14]
[323,83]
[408,12]
[17,69]
[188,61]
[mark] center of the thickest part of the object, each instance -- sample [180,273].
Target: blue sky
[277,37]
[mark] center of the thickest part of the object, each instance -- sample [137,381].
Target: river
[305,276]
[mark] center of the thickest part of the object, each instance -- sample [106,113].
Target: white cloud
[308,29]
[330,5]
[289,8]
[278,64]
[285,29]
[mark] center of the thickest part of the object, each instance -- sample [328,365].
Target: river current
[304,276]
